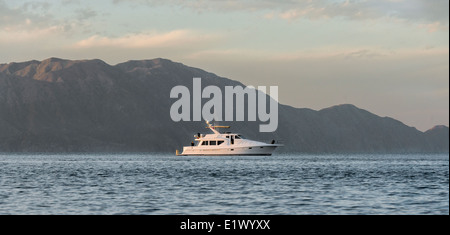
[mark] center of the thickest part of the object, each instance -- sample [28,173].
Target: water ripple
[165,184]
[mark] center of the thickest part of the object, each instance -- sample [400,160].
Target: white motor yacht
[226,144]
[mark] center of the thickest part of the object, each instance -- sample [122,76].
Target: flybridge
[212,109]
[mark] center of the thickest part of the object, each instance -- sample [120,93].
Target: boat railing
[273,141]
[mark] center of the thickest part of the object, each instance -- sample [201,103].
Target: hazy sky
[390,57]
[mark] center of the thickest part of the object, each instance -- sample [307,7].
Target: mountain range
[58,105]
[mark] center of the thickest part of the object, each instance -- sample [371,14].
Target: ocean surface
[168,184]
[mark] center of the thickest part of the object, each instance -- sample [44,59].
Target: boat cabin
[225,139]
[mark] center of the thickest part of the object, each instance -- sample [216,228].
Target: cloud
[20,24]
[213,5]
[39,17]
[412,10]
[363,54]
[85,14]
[308,11]
[175,38]
[13,35]
[422,11]
[20,16]
[433,27]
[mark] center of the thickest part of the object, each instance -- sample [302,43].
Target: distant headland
[58,105]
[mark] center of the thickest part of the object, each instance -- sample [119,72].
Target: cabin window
[237,137]
[212,142]
[205,143]
[220,142]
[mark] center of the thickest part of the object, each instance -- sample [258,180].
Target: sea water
[278,184]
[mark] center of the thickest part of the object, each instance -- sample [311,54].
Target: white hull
[265,150]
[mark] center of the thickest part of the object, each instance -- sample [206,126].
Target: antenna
[213,127]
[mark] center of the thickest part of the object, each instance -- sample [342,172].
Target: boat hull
[265,150]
